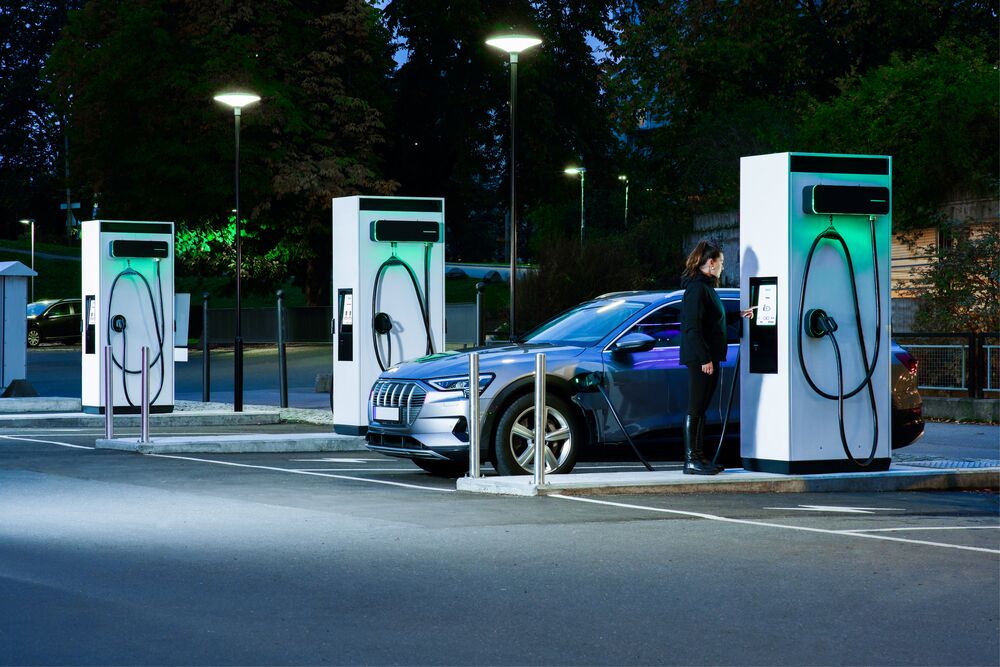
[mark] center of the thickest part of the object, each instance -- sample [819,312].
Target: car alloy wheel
[34,338]
[515,438]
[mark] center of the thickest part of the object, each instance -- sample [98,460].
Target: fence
[959,362]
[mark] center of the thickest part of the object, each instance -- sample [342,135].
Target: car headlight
[461,382]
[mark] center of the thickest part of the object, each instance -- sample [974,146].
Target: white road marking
[333,460]
[765,524]
[303,472]
[891,530]
[836,508]
[47,442]
[595,467]
[371,470]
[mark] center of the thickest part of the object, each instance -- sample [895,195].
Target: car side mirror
[635,342]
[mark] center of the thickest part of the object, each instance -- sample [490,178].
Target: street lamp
[237,101]
[513,44]
[624,178]
[573,171]
[31,221]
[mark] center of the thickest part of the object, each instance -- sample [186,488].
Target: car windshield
[586,324]
[37,308]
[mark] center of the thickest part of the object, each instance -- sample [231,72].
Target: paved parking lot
[113,558]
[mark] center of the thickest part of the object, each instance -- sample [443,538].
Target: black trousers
[701,387]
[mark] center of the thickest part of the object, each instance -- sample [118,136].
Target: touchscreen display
[767,306]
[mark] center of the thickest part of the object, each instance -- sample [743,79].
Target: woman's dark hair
[704,251]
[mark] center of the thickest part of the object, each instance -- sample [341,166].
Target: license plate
[386,414]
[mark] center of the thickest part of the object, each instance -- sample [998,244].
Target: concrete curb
[80,420]
[962,409]
[239,444]
[897,478]
[38,404]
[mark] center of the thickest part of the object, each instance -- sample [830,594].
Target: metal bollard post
[206,363]
[109,393]
[144,397]
[474,471]
[282,366]
[540,419]
[480,288]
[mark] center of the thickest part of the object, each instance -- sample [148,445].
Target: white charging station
[798,212]
[388,292]
[128,303]
[14,278]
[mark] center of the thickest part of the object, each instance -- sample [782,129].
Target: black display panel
[345,325]
[406,231]
[845,200]
[126,248]
[764,325]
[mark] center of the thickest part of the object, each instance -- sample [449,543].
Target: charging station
[128,303]
[815,233]
[388,292]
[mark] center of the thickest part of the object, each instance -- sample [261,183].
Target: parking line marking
[302,472]
[47,442]
[765,524]
[414,469]
[890,530]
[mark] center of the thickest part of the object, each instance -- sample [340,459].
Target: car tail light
[907,360]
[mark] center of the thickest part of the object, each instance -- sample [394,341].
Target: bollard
[206,364]
[144,397]
[109,393]
[540,415]
[474,471]
[282,366]
[480,288]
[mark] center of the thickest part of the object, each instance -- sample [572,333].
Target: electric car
[54,320]
[625,342]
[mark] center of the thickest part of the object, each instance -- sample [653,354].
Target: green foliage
[936,114]
[140,76]
[713,81]
[963,284]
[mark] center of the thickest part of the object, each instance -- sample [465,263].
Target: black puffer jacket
[703,323]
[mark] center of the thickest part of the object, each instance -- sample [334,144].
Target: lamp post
[237,101]
[624,178]
[31,221]
[513,44]
[583,216]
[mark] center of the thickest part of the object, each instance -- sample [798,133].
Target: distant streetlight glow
[582,173]
[513,44]
[31,221]
[624,178]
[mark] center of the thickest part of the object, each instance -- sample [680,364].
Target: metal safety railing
[475,423]
[955,361]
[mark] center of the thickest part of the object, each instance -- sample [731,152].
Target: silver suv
[417,409]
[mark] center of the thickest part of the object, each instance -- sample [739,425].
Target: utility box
[803,213]
[14,278]
[127,275]
[388,295]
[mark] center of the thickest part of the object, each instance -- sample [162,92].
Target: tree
[716,80]
[30,134]
[139,79]
[963,284]
[935,113]
[451,119]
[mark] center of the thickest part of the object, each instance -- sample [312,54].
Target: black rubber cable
[831,233]
[159,328]
[395,261]
[622,427]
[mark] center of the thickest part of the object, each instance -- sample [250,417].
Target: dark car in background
[630,340]
[54,320]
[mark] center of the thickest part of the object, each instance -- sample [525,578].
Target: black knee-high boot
[695,462]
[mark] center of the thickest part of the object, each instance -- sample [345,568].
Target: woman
[703,347]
